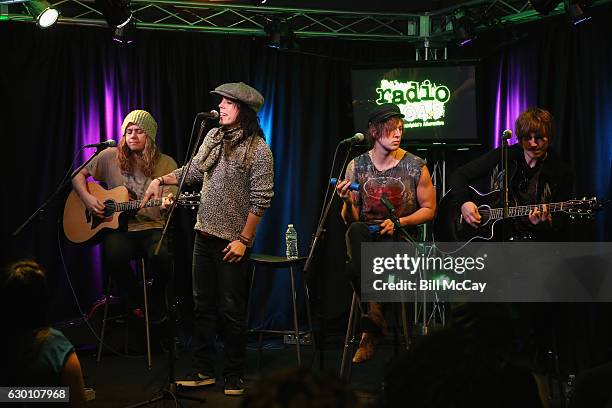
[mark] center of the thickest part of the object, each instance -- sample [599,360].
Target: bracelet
[161,180]
[246,241]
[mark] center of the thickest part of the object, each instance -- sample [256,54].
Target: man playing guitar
[536,176]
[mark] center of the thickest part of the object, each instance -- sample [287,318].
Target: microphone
[357,137]
[213,114]
[507,134]
[352,187]
[103,145]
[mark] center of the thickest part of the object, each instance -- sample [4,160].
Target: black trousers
[220,294]
[121,247]
[357,233]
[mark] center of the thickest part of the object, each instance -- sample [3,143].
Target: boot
[366,348]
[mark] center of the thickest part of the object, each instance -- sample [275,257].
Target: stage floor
[125,380]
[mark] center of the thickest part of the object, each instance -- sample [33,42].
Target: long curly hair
[128,160]
[248,120]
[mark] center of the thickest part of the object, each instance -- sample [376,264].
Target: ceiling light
[42,12]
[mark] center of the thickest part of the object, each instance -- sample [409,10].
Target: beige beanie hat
[144,120]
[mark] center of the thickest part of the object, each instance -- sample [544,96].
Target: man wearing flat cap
[133,164]
[235,166]
[402,178]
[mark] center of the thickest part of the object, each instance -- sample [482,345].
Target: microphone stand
[320,230]
[170,391]
[62,185]
[396,222]
[504,150]
[325,209]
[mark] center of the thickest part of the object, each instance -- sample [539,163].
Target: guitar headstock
[584,207]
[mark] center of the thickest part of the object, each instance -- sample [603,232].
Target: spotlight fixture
[576,11]
[463,28]
[42,12]
[544,6]
[119,17]
[280,35]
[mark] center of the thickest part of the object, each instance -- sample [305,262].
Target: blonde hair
[128,161]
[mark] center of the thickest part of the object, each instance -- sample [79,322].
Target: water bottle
[291,241]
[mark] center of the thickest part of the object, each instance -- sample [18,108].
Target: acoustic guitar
[451,232]
[80,225]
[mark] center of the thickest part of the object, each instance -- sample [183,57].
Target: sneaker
[234,386]
[196,379]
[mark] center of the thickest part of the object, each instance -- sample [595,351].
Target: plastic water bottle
[291,241]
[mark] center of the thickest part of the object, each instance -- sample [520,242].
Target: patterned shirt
[238,183]
[398,184]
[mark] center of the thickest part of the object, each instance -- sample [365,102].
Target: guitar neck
[522,210]
[135,204]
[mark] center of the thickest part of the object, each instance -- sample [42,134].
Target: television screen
[438,101]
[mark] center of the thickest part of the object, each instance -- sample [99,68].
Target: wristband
[246,241]
[161,180]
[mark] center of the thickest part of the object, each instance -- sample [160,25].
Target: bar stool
[108,299]
[277,262]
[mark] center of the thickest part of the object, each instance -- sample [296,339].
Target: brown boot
[366,348]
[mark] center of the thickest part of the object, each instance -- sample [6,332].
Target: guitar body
[80,225]
[451,232]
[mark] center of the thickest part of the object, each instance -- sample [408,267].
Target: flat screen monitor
[438,100]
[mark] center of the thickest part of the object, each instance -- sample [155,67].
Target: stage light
[42,12]
[463,28]
[280,35]
[544,6]
[119,17]
[575,10]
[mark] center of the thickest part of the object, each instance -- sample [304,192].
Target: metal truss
[215,17]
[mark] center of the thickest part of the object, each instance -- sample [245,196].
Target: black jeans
[220,295]
[356,234]
[121,247]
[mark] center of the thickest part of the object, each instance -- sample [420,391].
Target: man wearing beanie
[402,178]
[235,167]
[133,164]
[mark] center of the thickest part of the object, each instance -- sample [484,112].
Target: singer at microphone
[536,176]
[401,180]
[126,170]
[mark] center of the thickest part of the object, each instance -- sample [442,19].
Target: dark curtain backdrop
[68,86]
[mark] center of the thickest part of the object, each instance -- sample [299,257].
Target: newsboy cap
[242,92]
[380,113]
